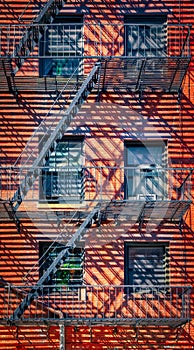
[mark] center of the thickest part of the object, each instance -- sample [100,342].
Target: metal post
[62,336]
[101,184]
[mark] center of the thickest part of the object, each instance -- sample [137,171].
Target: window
[62,177]
[145,175]
[62,41]
[70,271]
[145,35]
[146,264]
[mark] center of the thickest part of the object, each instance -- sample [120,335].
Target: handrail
[184,286]
[96,23]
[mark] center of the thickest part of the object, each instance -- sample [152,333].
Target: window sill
[46,205]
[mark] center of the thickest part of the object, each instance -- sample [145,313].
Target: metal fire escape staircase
[50,134]
[49,131]
[36,289]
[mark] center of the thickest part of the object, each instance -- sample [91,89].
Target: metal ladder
[32,159]
[34,292]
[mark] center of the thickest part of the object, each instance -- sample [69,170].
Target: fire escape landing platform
[163,74]
[99,305]
[121,193]
[149,74]
[142,211]
[133,56]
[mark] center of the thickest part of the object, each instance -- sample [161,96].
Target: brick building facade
[96,186]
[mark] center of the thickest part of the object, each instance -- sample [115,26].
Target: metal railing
[94,40]
[98,304]
[90,184]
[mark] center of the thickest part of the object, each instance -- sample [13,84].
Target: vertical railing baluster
[171,302]
[1,40]
[100,41]
[100,183]
[8,300]
[126,34]
[183,313]
[65,301]
[85,39]
[144,40]
[69,39]
[185,291]
[115,304]
[8,39]
[188,302]
[75,41]
[176,308]
[113,40]
[9,183]
[90,293]
[109,302]
[2,175]
[158,302]
[119,41]
[103,302]
[14,37]
[151,300]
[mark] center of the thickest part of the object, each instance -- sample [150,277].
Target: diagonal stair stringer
[50,144]
[35,290]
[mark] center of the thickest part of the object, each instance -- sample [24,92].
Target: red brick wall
[105,125]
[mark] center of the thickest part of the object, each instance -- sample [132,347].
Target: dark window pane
[63,177]
[61,41]
[145,176]
[145,264]
[145,35]
[69,272]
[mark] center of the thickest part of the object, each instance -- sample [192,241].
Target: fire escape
[99,63]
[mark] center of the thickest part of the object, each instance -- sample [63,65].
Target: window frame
[68,273]
[147,21]
[143,144]
[67,56]
[54,171]
[166,263]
